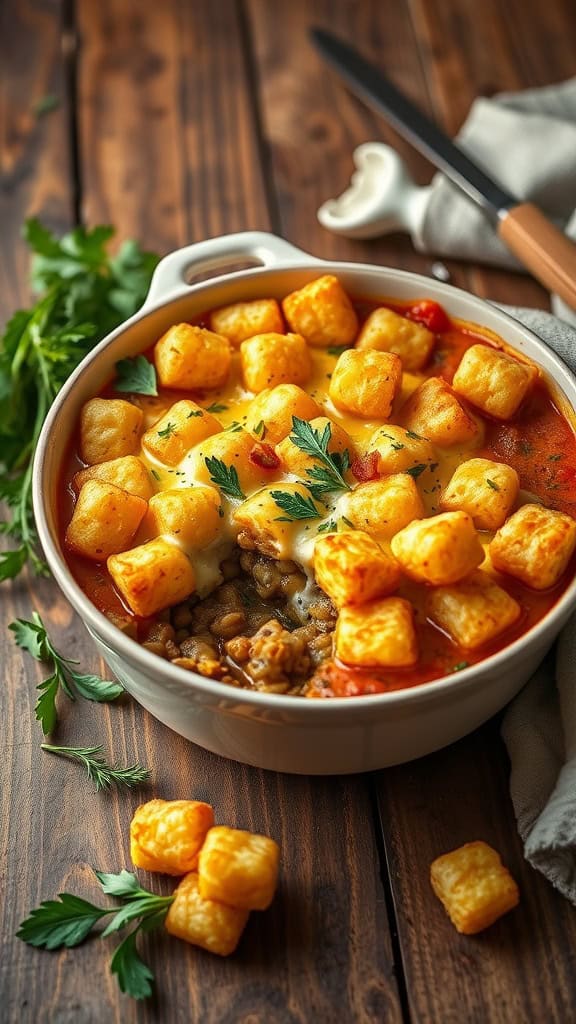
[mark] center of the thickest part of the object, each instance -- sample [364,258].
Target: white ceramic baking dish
[288,734]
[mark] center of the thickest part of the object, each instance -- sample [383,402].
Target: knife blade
[536,242]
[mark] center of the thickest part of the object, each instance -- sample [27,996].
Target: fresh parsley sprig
[102,774]
[136,376]
[225,477]
[85,293]
[32,637]
[295,505]
[69,920]
[330,475]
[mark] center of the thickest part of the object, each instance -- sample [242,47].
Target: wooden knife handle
[540,246]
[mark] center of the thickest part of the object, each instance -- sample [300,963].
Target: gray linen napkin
[539,727]
[527,142]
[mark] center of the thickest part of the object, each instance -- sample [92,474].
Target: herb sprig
[103,775]
[330,475]
[32,637]
[85,294]
[295,505]
[136,376]
[69,920]
[225,477]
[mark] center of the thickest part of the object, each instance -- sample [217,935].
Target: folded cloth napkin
[527,142]
[539,727]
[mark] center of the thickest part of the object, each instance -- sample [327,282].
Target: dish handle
[173,272]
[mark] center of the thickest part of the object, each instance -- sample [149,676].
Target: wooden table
[180,120]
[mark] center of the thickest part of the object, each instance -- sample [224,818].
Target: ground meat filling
[251,632]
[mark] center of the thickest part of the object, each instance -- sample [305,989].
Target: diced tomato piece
[430,314]
[264,456]
[332,680]
[365,467]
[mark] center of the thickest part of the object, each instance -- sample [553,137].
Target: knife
[534,240]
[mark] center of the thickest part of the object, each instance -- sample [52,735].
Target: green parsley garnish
[329,476]
[396,445]
[234,427]
[555,458]
[296,506]
[85,294]
[68,921]
[195,412]
[225,477]
[216,407]
[492,484]
[348,523]
[328,527]
[337,350]
[260,430]
[136,376]
[460,666]
[415,471]
[168,430]
[102,774]
[414,436]
[32,637]
[155,474]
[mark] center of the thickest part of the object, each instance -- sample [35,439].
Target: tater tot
[167,835]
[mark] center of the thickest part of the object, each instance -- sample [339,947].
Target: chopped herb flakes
[169,429]
[492,484]
[415,471]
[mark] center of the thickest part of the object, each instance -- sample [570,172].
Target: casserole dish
[289,734]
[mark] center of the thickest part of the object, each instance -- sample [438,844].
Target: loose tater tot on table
[167,835]
[109,429]
[209,924]
[238,868]
[474,886]
[322,313]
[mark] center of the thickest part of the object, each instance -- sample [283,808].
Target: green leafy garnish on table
[330,475]
[225,477]
[32,637]
[136,376]
[69,920]
[85,293]
[103,775]
[296,506]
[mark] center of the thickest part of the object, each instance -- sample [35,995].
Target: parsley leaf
[329,527]
[216,407]
[260,430]
[295,505]
[168,430]
[225,477]
[66,922]
[415,471]
[334,464]
[136,376]
[492,484]
[337,350]
[85,293]
[414,436]
[33,638]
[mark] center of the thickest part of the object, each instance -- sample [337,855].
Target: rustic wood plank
[34,151]
[150,128]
